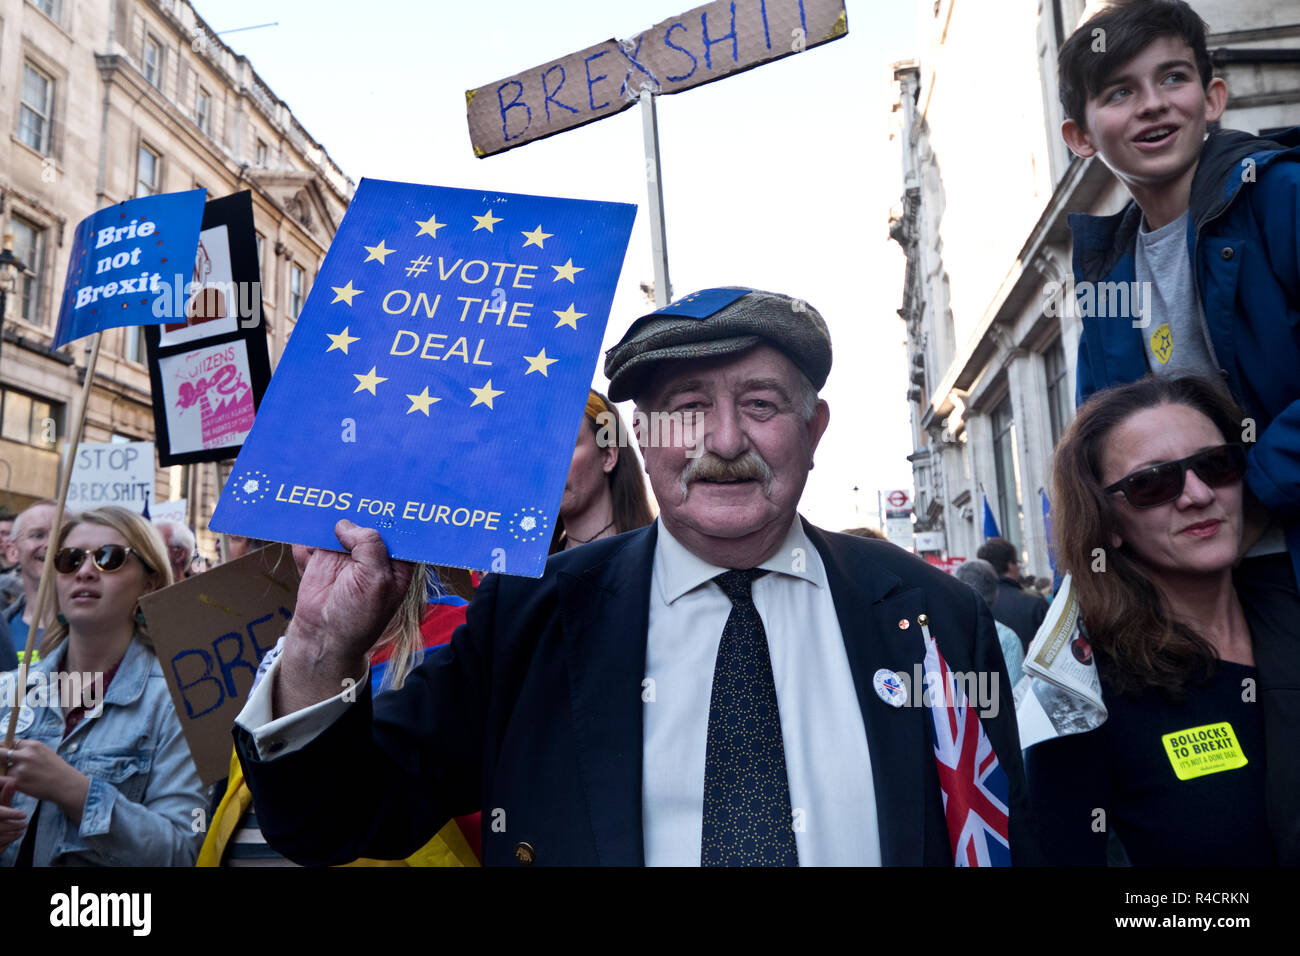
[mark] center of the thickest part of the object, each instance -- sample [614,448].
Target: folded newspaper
[1060,693]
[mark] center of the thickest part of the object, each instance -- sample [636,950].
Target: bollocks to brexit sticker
[1197,751]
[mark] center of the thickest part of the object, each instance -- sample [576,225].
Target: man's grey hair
[175,533]
[979,575]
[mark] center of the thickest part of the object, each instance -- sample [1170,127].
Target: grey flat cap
[719,322]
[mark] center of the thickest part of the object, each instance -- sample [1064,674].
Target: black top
[1213,817]
[1019,610]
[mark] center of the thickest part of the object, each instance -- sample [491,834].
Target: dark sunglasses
[1163,483]
[107,557]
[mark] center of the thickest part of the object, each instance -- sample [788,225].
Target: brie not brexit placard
[436,378]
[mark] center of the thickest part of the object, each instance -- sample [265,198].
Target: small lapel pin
[904,624]
[889,687]
[922,620]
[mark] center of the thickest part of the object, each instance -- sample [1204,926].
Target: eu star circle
[249,487]
[529,524]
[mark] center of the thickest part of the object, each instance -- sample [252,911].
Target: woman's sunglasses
[108,558]
[1163,483]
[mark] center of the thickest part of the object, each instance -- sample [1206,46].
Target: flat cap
[715,322]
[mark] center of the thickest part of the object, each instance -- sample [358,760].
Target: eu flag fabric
[436,378]
[990,524]
[1047,528]
[124,261]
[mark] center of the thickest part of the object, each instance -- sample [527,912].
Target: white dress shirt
[826,758]
[827,762]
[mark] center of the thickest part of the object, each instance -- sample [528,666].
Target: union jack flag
[974,785]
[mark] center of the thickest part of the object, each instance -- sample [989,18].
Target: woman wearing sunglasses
[1149,515]
[103,778]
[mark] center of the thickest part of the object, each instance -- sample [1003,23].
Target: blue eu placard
[436,379]
[125,260]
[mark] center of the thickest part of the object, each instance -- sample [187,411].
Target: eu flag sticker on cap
[702,304]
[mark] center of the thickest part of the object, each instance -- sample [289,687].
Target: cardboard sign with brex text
[210,632]
[707,43]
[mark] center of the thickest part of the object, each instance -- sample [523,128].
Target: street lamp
[11,267]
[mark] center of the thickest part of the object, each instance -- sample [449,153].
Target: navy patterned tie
[747,816]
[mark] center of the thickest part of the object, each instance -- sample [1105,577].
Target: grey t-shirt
[1174,335]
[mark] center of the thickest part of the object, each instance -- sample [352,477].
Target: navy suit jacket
[533,714]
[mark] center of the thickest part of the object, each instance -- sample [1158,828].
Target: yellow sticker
[1210,748]
[1162,343]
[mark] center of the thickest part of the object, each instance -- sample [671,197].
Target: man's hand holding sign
[344,603]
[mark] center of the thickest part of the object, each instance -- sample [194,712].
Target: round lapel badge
[26,717]
[889,687]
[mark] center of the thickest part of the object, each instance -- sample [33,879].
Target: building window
[48,7]
[297,289]
[146,172]
[261,153]
[134,348]
[36,108]
[153,54]
[1058,393]
[1004,463]
[28,420]
[203,111]
[29,246]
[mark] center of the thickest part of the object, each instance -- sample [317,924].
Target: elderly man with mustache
[719,688]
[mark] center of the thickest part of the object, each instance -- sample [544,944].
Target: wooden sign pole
[45,593]
[654,184]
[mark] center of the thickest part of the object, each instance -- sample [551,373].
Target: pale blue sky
[780,178]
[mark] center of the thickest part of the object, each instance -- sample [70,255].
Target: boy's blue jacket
[1244,241]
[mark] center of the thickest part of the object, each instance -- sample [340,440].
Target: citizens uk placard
[436,378]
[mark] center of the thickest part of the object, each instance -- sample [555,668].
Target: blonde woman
[105,778]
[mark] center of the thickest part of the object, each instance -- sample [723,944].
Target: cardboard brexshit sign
[210,632]
[121,259]
[436,377]
[708,43]
[112,473]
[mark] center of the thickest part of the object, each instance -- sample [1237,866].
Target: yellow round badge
[1162,343]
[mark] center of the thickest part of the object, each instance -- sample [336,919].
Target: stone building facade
[106,100]
[987,185]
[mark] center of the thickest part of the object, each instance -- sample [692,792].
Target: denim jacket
[144,788]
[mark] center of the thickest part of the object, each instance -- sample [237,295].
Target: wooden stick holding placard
[45,593]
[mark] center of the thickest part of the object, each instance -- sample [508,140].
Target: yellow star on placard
[536,237]
[569,317]
[344,293]
[539,363]
[341,341]
[421,402]
[484,395]
[378,252]
[367,381]
[566,271]
[485,221]
[429,227]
